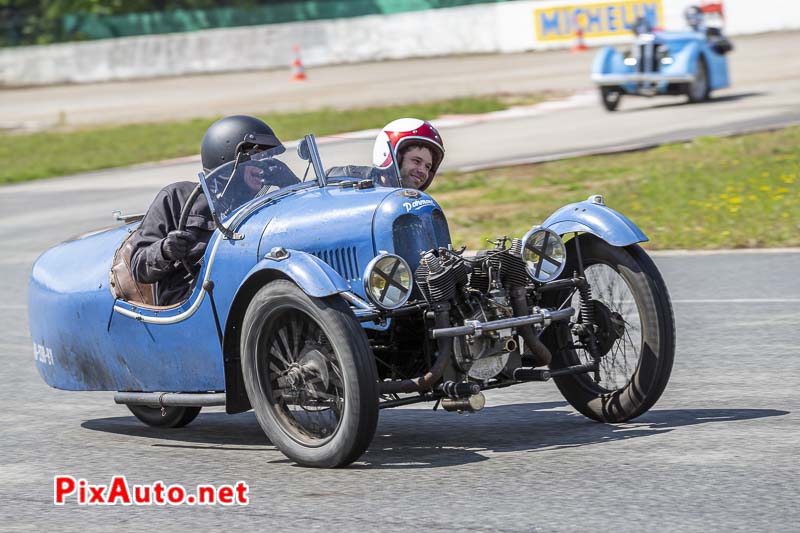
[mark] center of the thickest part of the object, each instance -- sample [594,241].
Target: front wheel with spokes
[310,375]
[634,334]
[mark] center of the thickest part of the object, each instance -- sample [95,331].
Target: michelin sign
[601,19]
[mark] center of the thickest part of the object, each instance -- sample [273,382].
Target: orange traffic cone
[579,45]
[298,71]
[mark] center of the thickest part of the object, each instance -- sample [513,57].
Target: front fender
[685,60]
[310,273]
[593,216]
[608,61]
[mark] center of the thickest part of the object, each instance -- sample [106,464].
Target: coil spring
[587,304]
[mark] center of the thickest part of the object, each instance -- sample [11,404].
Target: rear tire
[310,375]
[174,417]
[635,327]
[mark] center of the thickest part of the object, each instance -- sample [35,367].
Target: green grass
[43,155]
[711,193]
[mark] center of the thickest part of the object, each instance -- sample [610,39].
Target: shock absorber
[587,307]
[587,333]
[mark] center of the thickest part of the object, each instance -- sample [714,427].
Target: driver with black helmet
[159,248]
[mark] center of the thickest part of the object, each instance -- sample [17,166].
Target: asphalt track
[718,452]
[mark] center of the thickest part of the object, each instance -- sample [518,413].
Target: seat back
[123,284]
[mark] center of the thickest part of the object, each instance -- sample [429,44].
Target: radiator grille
[342,260]
[647,60]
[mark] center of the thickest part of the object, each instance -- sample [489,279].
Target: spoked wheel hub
[311,368]
[304,378]
[610,326]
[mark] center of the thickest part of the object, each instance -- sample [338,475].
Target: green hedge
[41,21]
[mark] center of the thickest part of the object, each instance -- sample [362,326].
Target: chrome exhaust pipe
[472,404]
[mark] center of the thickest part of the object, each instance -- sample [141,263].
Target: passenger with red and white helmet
[417,146]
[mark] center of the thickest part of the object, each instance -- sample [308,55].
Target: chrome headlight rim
[368,271]
[552,237]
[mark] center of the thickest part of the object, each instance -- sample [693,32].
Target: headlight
[388,281]
[662,55]
[544,254]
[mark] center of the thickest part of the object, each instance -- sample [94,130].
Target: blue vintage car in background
[691,63]
[322,300]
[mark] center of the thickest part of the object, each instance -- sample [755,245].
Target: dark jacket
[148,264]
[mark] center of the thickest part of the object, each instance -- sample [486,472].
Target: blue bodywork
[331,233]
[324,236]
[661,63]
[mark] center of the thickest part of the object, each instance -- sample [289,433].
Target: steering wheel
[187,207]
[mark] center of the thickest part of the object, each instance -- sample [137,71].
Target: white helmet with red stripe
[403,132]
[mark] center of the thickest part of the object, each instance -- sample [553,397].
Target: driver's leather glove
[176,244]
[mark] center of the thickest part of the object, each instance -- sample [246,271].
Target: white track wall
[485,28]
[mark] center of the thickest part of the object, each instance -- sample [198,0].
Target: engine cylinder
[513,273]
[459,269]
[479,277]
[511,268]
[442,286]
[421,277]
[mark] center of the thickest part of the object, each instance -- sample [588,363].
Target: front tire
[310,375]
[174,417]
[699,90]
[610,97]
[635,328]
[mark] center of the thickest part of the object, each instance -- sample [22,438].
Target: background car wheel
[310,375]
[175,417]
[636,334]
[699,89]
[610,97]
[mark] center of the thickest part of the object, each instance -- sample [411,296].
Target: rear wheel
[610,97]
[310,375]
[635,334]
[173,417]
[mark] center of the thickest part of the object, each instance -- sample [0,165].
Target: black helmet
[230,135]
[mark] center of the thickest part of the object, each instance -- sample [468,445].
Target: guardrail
[503,27]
